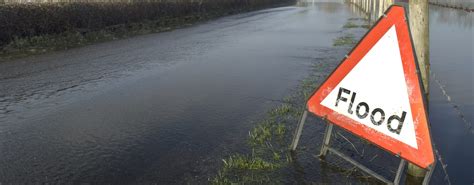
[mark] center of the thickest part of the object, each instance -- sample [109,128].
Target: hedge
[23,20]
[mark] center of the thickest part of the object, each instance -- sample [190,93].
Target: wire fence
[462,4]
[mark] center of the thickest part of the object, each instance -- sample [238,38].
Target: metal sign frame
[325,148]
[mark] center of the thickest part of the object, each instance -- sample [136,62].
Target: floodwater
[167,107]
[451,105]
[162,108]
[452,90]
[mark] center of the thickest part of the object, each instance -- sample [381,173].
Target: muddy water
[163,108]
[452,90]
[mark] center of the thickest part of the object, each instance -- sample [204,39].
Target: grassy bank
[37,28]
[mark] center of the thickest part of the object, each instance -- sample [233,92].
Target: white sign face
[375,93]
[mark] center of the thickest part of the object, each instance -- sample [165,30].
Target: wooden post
[374,10]
[362,5]
[381,8]
[419,26]
[366,4]
[369,13]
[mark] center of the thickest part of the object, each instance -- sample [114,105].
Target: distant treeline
[23,20]
[116,1]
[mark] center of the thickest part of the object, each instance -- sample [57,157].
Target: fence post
[373,10]
[381,8]
[366,4]
[419,26]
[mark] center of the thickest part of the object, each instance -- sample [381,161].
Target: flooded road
[168,107]
[163,108]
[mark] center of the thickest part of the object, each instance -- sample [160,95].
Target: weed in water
[280,130]
[276,156]
[365,26]
[344,40]
[281,110]
[355,19]
[350,25]
[241,162]
[261,134]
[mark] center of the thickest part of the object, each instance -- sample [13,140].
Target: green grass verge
[21,47]
[34,45]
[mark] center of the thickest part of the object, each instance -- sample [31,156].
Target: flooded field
[452,90]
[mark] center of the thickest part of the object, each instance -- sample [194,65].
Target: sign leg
[428,175]
[327,138]
[299,129]
[401,167]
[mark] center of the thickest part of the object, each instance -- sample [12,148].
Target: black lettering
[400,123]
[349,110]
[340,93]
[382,116]
[362,104]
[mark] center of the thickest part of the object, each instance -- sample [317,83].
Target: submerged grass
[269,140]
[344,40]
[266,132]
[367,26]
[349,39]
[241,162]
[357,19]
[269,144]
[350,25]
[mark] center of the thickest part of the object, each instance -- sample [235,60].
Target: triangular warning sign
[376,92]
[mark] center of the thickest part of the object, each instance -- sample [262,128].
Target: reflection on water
[172,125]
[452,90]
[449,16]
[325,6]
